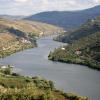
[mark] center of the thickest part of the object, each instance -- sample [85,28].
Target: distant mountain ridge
[12,17]
[66,19]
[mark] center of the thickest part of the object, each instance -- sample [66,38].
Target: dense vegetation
[91,27]
[16,87]
[84,47]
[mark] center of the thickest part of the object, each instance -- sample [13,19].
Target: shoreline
[33,45]
[9,82]
[84,65]
[8,53]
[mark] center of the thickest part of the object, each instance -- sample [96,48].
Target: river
[67,77]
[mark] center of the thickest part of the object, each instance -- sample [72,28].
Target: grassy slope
[6,38]
[86,29]
[10,42]
[16,87]
[88,45]
[30,26]
[11,31]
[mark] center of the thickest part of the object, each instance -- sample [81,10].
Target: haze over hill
[12,17]
[66,19]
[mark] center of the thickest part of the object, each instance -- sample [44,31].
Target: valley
[70,78]
[62,46]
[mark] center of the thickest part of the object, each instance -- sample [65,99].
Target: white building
[62,48]
[41,33]
[3,67]
[78,52]
[4,48]
[92,20]
[24,40]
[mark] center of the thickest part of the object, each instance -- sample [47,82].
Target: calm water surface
[68,77]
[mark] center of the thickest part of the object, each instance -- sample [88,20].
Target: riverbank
[87,64]
[14,47]
[84,45]
[72,57]
[67,77]
[16,87]
[9,52]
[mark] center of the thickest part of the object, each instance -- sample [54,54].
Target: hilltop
[66,19]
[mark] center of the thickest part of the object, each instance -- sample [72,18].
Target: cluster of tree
[16,87]
[16,47]
[92,26]
[84,47]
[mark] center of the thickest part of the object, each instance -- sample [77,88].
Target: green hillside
[86,29]
[16,87]
[84,50]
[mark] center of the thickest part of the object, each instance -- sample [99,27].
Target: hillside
[66,19]
[16,87]
[83,50]
[10,44]
[18,35]
[31,27]
[13,40]
[86,29]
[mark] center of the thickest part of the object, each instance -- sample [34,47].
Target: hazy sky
[28,7]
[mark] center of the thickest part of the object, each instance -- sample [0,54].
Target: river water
[67,77]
